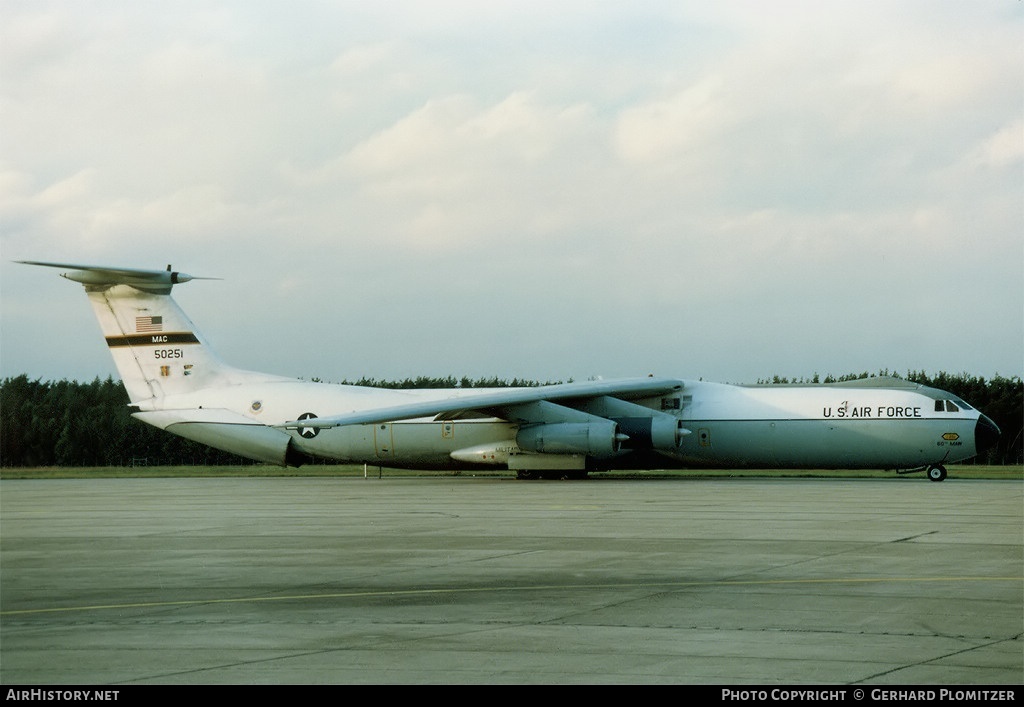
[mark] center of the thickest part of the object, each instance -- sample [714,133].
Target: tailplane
[156,348]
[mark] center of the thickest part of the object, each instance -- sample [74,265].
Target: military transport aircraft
[176,382]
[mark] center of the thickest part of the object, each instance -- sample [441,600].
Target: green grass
[1015,472]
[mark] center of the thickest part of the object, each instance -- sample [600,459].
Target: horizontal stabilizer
[155,281]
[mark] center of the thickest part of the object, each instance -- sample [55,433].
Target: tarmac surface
[462,580]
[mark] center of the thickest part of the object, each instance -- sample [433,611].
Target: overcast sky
[548,190]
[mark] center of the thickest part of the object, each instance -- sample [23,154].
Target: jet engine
[597,439]
[662,432]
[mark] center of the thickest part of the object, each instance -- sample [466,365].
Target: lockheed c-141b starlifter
[176,382]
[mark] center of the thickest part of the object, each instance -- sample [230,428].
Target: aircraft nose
[986,434]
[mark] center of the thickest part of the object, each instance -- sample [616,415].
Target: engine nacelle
[661,432]
[595,439]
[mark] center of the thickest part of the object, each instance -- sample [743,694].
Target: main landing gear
[935,472]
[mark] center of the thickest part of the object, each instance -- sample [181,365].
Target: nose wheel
[936,472]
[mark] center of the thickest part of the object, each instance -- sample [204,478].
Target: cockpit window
[940,406]
[951,407]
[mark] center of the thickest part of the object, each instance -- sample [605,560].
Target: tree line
[68,423]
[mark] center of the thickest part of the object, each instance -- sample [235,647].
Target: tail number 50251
[168,353]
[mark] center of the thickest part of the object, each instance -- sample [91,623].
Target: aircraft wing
[502,401]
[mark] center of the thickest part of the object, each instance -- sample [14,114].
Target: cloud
[1004,148]
[554,191]
[692,120]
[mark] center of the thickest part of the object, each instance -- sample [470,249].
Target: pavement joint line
[534,588]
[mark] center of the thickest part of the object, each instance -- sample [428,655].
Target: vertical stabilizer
[157,349]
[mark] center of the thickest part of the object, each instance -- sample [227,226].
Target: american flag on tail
[144,325]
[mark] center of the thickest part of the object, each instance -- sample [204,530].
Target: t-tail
[157,349]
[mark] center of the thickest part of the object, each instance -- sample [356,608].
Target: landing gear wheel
[936,472]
